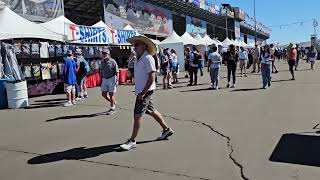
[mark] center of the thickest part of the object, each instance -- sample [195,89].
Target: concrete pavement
[228,134]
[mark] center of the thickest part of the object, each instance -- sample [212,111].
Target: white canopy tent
[219,43]
[227,42]
[57,25]
[14,26]
[174,41]
[200,40]
[101,24]
[238,43]
[188,39]
[209,40]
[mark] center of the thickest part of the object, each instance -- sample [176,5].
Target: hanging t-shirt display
[45,71]
[54,71]
[52,52]
[65,49]
[25,50]
[27,71]
[97,51]
[59,50]
[44,50]
[73,48]
[17,48]
[60,66]
[35,50]
[85,52]
[95,65]
[36,72]
[91,52]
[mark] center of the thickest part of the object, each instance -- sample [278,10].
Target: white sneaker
[74,102]
[232,86]
[217,88]
[78,99]
[166,133]
[67,104]
[130,144]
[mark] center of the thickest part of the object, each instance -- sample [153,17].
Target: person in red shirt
[292,56]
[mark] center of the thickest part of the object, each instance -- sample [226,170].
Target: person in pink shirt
[292,56]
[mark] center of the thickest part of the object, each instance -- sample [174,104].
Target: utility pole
[255,22]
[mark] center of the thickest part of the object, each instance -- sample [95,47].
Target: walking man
[312,56]
[109,74]
[83,69]
[145,71]
[256,56]
[292,56]
[214,67]
[243,56]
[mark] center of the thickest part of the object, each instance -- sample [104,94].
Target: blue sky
[279,12]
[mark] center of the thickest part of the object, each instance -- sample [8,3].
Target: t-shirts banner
[37,10]
[143,17]
[97,35]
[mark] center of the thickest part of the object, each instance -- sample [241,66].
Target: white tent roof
[15,26]
[219,43]
[173,38]
[57,25]
[238,43]
[209,40]
[156,42]
[100,24]
[227,42]
[188,39]
[128,27]
[200,40]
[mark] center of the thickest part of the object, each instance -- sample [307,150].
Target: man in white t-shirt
[214,67]
[145,72]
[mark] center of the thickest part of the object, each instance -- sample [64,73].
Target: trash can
[3,94]
[17,94]
[123,76]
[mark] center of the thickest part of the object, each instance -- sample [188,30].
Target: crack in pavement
[230,147]
[116,165]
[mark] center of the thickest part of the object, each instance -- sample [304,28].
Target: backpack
[196,59]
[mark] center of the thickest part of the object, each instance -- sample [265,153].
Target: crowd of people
[145,63]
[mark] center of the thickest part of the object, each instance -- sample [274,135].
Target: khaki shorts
[242,63]
[68,88]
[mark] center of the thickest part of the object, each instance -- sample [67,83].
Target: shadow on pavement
[52,100]
[297,149]
[283,80]
[246,89]
[76,116]
[45,105]
[79,153]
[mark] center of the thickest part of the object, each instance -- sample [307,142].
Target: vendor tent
[188,39]
[227,42]
[219,43]
[209,40]
[200,40]
[14,26]
[174,41]
[101,24]
[57,25]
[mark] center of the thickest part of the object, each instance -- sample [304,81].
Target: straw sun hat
[151,47]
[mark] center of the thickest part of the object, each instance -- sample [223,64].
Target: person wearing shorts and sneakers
[312,56]
[145,71]
[69,77]
[83,68]
[109,74]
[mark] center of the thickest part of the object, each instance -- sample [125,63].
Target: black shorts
[145,105]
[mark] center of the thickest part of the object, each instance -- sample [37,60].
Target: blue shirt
[69,71]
